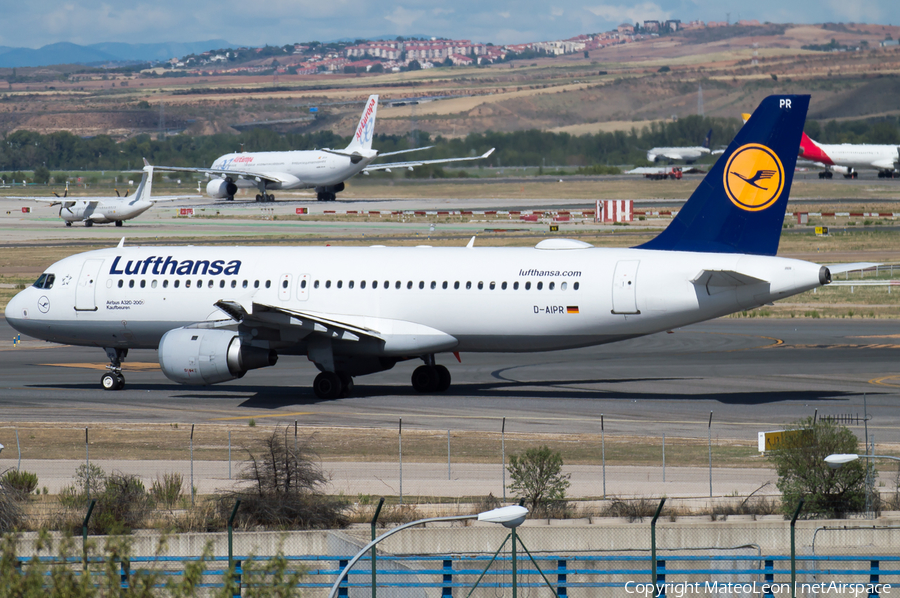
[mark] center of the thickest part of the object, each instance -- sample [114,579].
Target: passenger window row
[480,285]
[210,284]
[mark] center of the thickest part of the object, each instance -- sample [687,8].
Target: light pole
[512,517]
[836,460]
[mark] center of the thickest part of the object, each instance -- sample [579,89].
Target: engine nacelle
[221,188]
[200,357]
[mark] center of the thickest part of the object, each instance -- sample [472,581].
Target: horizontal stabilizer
[725,278]
[841,268]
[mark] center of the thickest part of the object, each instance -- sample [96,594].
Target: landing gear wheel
[270,197]
[327,385]
[119,223]
[425,379]
[443,378]
[109,381]
[829,174]
[346,384]
[229,198]
[68,224]
[258,197]
[89,223]
[120,379]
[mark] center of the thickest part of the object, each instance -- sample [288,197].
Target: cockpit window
[45,281]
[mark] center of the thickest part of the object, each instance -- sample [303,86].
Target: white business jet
[104,210]
[324,170]
[214,313]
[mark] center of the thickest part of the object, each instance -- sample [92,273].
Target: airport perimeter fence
[433,468]
[649,556]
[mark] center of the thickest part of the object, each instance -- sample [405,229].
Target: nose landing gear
[113,379]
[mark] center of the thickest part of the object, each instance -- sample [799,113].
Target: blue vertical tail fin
[708,139]
[739,206]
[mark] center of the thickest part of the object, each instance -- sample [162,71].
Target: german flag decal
[572,309]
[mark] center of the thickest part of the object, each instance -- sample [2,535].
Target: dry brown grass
[171,442]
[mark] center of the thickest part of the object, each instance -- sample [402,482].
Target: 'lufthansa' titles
[163,266]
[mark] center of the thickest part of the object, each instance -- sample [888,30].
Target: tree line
[28,151]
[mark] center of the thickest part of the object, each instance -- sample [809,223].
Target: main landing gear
[119,222]
[332,385]
[430,377]
[326,196]
[263,198]
[113,379]
[826,174]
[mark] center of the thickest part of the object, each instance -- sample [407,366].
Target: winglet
[488,153]
[471,243]
[146,163]
[121,243]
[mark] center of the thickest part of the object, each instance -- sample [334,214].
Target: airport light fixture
[512,517]
[838,459]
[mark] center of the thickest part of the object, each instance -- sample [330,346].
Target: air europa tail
[708,139]
[365,130]
[739,207]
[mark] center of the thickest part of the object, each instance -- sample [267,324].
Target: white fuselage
[294,169]
[104,211]
[449,299]
[861,156]
[677,153]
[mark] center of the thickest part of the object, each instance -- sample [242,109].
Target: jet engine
[221,188]
[200,357]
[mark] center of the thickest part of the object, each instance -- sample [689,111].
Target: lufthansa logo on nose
[44,304]
[754,177]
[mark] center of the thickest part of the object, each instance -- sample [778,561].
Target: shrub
[286,488]
[803,473]
[537,477]
[23,482]
[167,490]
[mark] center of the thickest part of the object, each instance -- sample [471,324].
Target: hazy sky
[39,22]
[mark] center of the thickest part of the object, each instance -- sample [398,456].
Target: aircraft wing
[388,166]
[406,151]
[405,338]
[275,177]
[31,198]
[155,198]
[277,317]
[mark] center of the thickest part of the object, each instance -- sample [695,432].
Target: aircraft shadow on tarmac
[292,396]
[271,399]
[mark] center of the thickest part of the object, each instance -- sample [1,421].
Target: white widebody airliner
[325,170]
[105,210]
[214,313]
[688,154]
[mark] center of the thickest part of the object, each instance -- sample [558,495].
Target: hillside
[615,88]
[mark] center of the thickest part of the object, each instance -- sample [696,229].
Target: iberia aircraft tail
[365,130]
[740,205]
